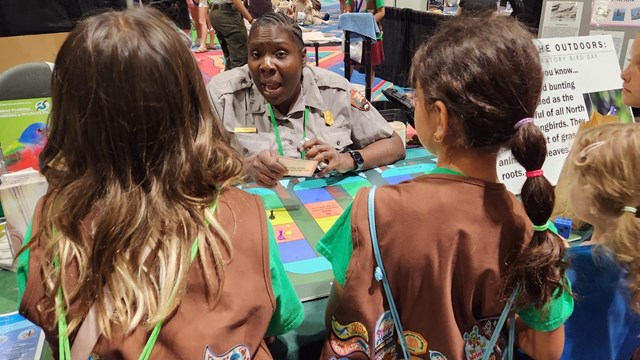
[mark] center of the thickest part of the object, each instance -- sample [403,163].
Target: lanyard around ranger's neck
[277,133]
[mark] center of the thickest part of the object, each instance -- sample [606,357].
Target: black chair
[26,81]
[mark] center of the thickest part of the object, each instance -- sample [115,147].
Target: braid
[282,22]
[539,269]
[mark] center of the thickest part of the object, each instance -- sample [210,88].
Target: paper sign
[298,167]
[562,19]
[581,82]
[616,13]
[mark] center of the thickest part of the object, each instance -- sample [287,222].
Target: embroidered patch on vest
[475,344]
[238,352]
[348,347]
[436,355]
[384,331]
[388,353]
[350,330]
[416,343]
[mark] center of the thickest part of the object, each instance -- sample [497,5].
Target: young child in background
[604,191]
[456,243]
[141,238]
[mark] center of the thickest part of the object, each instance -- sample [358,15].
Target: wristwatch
[357,159]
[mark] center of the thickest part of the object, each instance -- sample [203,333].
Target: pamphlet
[20,338]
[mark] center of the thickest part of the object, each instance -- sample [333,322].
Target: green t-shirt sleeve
[337,246]
[379,3]
[552,315]
[22,270]
[289,312]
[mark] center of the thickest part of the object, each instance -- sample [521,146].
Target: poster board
[618,18]
[581,80]
[23,131]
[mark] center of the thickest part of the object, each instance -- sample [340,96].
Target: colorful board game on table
[301,210]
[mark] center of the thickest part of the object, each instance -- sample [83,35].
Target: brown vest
[444,241]
[237,323]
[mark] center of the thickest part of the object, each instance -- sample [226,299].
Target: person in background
[480,8]
[227,18]
[142,247]
[605,270]
[204,28]
[279,106]
[604,191]
[376,7]
[456,244]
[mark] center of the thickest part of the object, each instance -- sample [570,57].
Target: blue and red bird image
[24,152]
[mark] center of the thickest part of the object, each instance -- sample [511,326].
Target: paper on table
[6,248]
[313,36]
[19,338]
[298,167]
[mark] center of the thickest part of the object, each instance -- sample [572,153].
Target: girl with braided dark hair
[456,244]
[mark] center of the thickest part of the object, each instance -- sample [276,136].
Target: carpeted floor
[331,57]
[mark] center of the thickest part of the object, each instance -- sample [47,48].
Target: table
[301,210]
[298,200]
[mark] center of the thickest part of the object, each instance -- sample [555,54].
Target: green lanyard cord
[64,348]
[305,119]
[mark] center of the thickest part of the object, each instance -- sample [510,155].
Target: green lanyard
[277,133]
[445,171]
[64,349]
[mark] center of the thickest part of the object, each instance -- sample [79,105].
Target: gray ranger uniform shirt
[332,117]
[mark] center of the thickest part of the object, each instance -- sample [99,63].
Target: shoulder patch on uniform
[359,102]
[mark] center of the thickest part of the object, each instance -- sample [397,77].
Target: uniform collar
[309,96]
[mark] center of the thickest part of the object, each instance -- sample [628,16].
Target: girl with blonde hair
[604,191]
[141,240]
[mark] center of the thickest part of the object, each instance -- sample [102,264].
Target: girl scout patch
[388,353]
[384,331]
[348,347]
[436,355]
[475,344]
[416,343]
[238,352]
[358,101]
[349,330]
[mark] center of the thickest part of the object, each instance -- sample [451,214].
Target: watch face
[357,159]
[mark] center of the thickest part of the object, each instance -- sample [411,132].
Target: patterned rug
[331,57]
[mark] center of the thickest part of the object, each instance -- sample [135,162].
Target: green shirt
[379,4]
[337,246]
[288,314]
